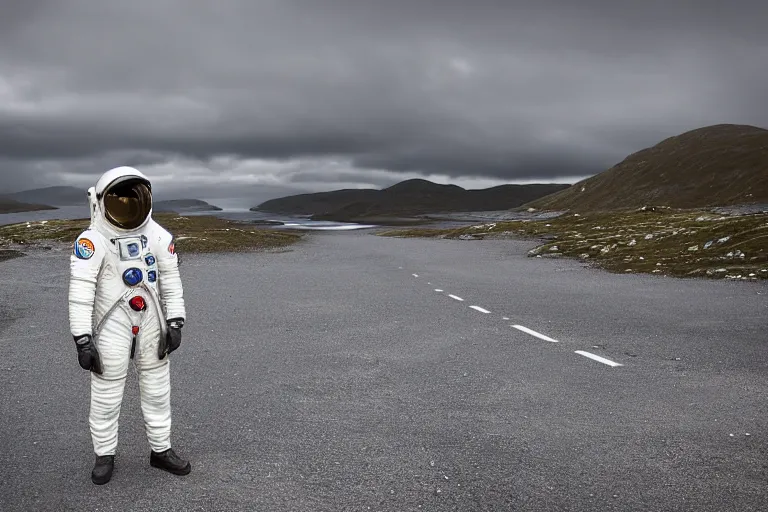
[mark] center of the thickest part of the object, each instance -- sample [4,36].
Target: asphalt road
[330,377]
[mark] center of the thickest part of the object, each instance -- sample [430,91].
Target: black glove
[87,355]
[172,337]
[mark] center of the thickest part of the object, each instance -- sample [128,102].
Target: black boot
[169,461]
[102,469]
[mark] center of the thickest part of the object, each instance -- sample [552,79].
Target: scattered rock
[708,244]
[723,240]
[649,237]
[632,242]
[693,248]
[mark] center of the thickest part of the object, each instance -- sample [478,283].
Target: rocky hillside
[407,198]
[718,165]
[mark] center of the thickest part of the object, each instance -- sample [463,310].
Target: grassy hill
[11,206]
[407,198]
[718,165]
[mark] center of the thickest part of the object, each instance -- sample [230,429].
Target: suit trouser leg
[114,344]
[154,387]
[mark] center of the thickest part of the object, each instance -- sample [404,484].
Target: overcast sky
[267,97]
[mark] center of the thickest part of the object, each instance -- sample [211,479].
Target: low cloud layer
[281,95]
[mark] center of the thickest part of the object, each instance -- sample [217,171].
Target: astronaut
[126,302]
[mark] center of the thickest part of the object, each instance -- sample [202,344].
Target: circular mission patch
[84,248]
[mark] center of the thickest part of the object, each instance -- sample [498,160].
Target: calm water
[232,213]
[238,209]
[64,212]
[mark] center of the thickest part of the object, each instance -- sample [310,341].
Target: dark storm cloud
[497,89]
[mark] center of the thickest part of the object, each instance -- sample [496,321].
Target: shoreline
[669,242]
[193,234]
[663,241]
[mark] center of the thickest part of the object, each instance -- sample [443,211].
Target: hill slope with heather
[720,165]
[407,198]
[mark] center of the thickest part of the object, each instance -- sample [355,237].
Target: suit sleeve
[171,290]
[85,264]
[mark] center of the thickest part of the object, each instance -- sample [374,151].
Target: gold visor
[127,204]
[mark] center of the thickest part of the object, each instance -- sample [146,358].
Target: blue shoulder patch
[84,248]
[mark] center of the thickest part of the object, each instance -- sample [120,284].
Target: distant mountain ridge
[407,198]
[56,196]
[718,165]
[11,206]
[71,196]
[183,205]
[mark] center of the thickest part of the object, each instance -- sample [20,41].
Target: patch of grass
[681,243]
[34,233]
[193,234]
[213,234]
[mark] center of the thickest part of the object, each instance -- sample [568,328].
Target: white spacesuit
[126,302]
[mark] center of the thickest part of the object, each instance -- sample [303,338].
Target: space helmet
[124,195]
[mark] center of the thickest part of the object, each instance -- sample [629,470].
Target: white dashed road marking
[598,358]
[534,333]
